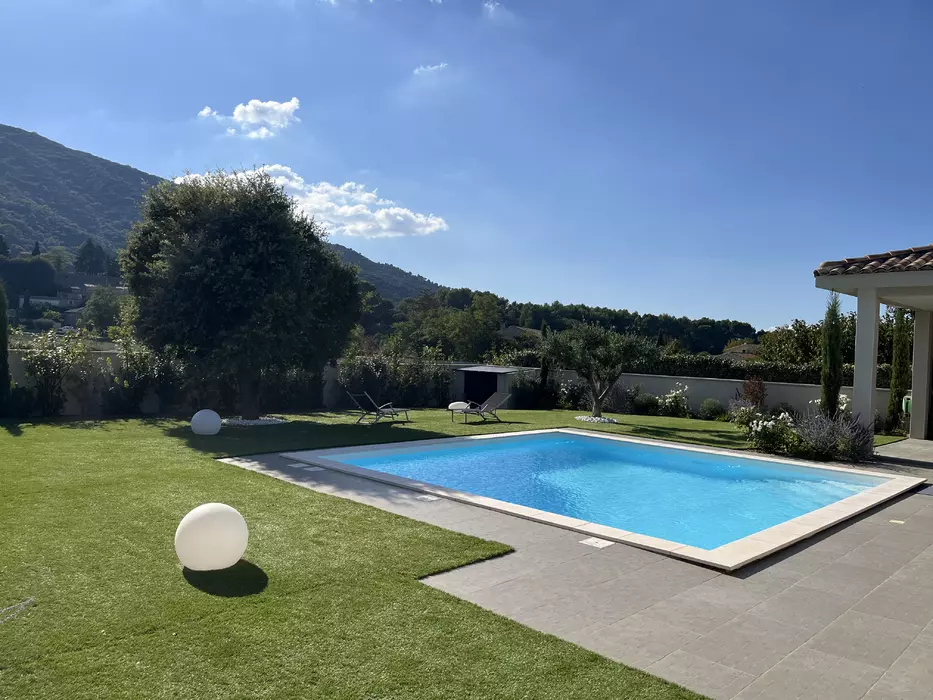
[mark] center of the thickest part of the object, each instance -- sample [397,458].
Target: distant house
[745,351]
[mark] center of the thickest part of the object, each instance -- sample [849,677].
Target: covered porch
[900,278]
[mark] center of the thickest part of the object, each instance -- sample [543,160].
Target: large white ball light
[212,536]
[205,422]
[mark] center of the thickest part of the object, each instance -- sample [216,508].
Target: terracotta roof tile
[893,261]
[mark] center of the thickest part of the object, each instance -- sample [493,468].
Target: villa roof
[909,260]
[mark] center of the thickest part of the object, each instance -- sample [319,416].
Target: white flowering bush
[742,412]
[773,435]
[674,403]
[844,404]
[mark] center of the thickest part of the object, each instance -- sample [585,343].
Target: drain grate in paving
[427,497]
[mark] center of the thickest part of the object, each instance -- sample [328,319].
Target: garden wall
[72,408]
[797,395]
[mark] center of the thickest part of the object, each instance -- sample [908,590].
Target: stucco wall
[699,388]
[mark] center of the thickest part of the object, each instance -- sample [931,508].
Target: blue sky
[690,157]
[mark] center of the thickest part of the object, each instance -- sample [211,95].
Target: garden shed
[479,382]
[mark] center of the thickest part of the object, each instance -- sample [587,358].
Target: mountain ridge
[60,196]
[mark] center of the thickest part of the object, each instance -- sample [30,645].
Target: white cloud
[429,70]
[350,209]
[497,12]
[257,119]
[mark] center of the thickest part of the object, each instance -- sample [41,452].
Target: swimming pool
[675,498]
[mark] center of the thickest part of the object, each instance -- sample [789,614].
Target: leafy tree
[598,355]
[229,273]
[4,248]
[35,249]
[52,315]
[831,374]
[91,258]
[58,257]
[4,353]
[378,313]
[102,309]
[25,276]
[900,369]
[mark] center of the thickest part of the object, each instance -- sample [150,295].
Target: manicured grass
[887,439]
[87,515]
[336,429]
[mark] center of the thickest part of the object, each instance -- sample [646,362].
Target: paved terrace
[847,614]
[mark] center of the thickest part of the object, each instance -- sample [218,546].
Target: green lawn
[88,513]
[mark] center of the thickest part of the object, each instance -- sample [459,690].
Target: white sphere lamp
[212,536]
[205,422]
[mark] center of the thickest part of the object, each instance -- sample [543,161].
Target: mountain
[390,281]
[59,196]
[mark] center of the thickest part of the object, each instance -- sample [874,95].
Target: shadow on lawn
[242,579]
[309,434]
[697,436]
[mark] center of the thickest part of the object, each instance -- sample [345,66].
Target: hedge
[714,367]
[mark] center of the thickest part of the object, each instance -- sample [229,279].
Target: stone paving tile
[807,608]
[919,573]
[635,640]
[911,676]
[702,675]
[840,543]
[901,537]
[878,556]
[869,639]
[846,580]
[896,600]
[749,643]
[512,597]
[811,675]
[753,589]
[692,610]
[797,561]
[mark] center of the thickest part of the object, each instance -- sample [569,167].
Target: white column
[866,356]
[920,389]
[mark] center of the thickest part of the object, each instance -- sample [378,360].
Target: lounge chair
[386,410]
[488,409]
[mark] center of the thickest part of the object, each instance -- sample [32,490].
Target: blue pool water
[696,498]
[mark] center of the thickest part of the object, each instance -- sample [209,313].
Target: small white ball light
[205,422]
[212,536]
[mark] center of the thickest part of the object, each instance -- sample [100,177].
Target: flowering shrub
[775,435]
[742,412]
[49,363]
[855,442]
[574,396]
[674,403]
[814,436]
[845,403]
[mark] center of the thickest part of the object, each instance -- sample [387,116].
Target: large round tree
[228,272]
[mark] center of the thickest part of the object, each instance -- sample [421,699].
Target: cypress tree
[545,365]
[831,374]
[900,368]
[4,354]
